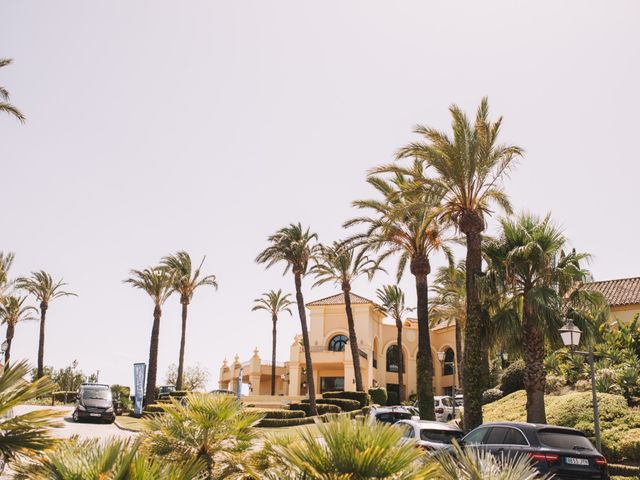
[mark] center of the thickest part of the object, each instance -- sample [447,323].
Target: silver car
[431,436]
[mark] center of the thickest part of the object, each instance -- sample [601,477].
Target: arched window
[337,343]
[393,359]
[449,362]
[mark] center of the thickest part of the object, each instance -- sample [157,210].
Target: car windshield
[564,440]
[439,436]
[96,393]
[392,417]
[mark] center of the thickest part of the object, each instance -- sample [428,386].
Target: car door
[476,438]
[505,442]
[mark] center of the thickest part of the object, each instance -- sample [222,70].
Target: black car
[94,402]
[565,452]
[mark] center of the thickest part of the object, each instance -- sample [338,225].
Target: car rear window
[393,417]
[439,436]
[564,439]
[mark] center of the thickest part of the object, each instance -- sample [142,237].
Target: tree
[158,284]
[6,260]
[5,105]
[295,247]
[42,286]
[391,299]
[274,303]
[405,223]
[341,264]
[469,167]
[12,312]
[213,429]
[185,282]
[195,377]
[528,262]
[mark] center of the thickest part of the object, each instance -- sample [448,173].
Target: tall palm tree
[42,286]
[295,247]
[528,261]
[405,223]
[5,106]
[341,264]
[185,282]
[470,168]
[13,311]
[391,299]
[275,303]
[6,260]
[158,284]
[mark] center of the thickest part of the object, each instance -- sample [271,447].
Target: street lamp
[441,358]
[571,334]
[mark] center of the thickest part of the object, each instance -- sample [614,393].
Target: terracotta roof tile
[338,299]
[624,291]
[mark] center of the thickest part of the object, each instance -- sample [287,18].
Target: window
[392,417]
[476,436]
[338,343]
[449,361]
[565,439]
[446,402]
[331,384]
[515,437]
[496,436]
[407,430]
[439,436]
[393,359]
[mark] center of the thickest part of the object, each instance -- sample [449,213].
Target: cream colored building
[331,355]
[623,297]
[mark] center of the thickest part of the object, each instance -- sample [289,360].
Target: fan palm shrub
[186,281]
[12,312]
[275,303]
[5,105]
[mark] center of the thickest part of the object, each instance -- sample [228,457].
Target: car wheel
[75,416]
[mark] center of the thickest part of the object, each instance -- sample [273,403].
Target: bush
[392,398]
[512,378]
[285,422]
[179,393]
[322,408]
[362,397]
[344,404]
[278,413]
[554,384]
[624,470]
[153,408]
[378,395]
[491,395]
[60,396]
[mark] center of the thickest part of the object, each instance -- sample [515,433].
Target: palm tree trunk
[43,316]
[10,333]
[459,356]
[424,363]
[150,396]
[534,374]
[311,388]
[353,339]
[400,361]
[185,306]
[473,376]
[274,319]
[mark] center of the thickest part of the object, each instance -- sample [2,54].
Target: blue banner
[139,372]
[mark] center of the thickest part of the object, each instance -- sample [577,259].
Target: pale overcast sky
[206,125]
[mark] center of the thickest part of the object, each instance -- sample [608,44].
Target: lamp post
[441,356]
[571,334]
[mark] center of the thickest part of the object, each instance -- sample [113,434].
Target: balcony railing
[321,348]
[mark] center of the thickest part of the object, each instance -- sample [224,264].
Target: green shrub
[491,395]
[362,397]
[278,413]
[624,470]
[322,408]
[392,398]
[153,408]
[285,422]
[554,384]
[378,395]
[179,393]
[60,396]
[512,378]
[344,404]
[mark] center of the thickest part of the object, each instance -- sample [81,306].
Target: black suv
[565,452]
[95,402]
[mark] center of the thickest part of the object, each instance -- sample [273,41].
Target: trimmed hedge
[322,408]
[378,395]
[491,395]
[59,396]
[285,422]
[512,378]
[179,393]
[278,414]
[624,470]
[344,404]
[153,408]
[362,397]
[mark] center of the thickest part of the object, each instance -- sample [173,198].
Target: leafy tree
[5,105]
[12,312]
[469,168]
[195,377]
[274,303]
[42,286]
[158,284]
[295,247]
[391,299]
[341,264]
[185,282]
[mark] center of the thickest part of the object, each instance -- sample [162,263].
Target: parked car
[391,414]
[565,452]
[431,436]
[164,391]
[95,402]
[443,406]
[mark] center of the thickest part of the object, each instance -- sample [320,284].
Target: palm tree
[391,299]
[213,429]
[27,434]
[185,283]
[158,284]
[274,303]
[470,167]
[5,106]
[295,246]
[13,311]
[405,223]
[6,260]
[42,286]
[527,260]
[341,264]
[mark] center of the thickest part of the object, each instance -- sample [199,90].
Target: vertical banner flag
[139,371]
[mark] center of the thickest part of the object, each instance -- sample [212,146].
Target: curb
[117,424]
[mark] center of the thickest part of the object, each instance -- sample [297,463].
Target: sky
[205,126]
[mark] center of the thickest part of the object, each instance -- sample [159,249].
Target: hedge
[491,395]
[624,470]
[153,408]
[344,404]
[179,393]
[362,397]
[285,422]
[322,408]
[278,414]
[378,395]
[512,378]
[59,396]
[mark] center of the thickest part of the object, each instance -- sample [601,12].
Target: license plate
[94,414]
[576,461]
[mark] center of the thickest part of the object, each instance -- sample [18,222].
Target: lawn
[286,431]
[130,423]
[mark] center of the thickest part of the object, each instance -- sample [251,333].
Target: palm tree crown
[292,245]
[5,106]
[273,302]
[155,282]
[42,286]
[185,279]
[13,311]
[391,302]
